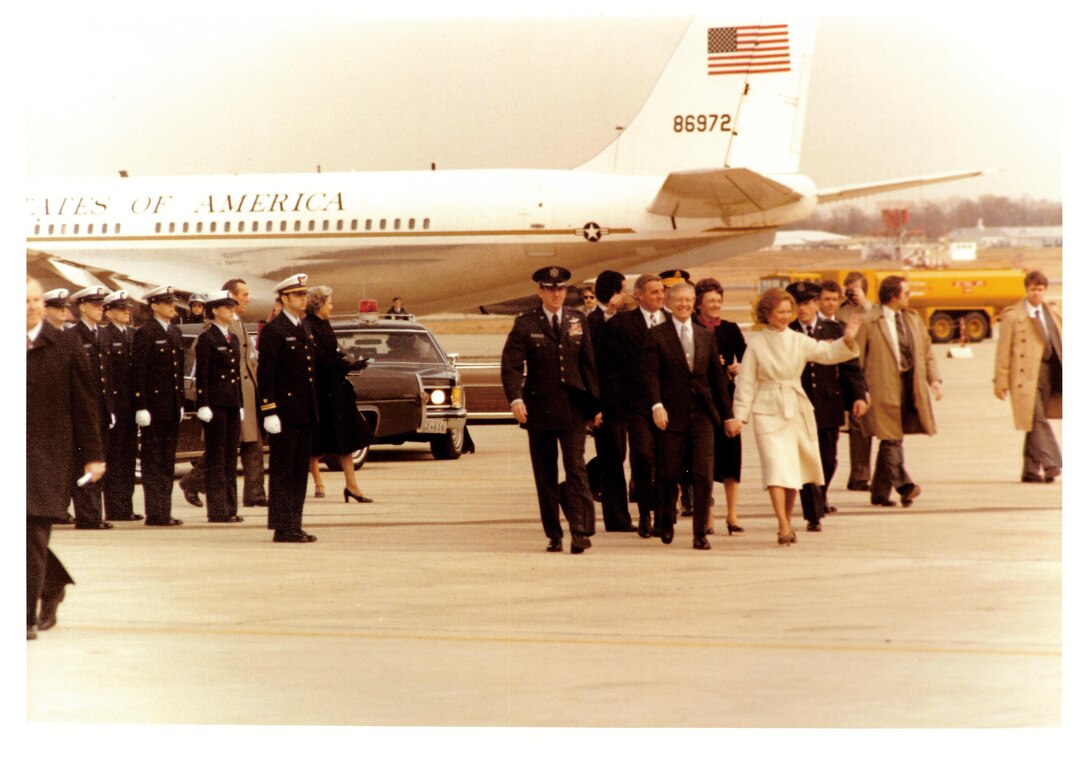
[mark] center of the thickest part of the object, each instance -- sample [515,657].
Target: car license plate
[434,426]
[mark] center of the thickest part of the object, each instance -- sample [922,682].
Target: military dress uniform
[285,385]
[119,483]
[88,500]
[158,385]
[550,366]
[219,388]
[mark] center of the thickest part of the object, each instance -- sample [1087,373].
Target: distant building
[1010,237]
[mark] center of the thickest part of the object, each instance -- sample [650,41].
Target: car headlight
[438,397]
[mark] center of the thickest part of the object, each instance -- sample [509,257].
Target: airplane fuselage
[443,240]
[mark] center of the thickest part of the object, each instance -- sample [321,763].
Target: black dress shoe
[1051,474]
[258,502]
[881,502]
[192,497]
[644,529]
[666,538]
[830,510]
[814,527]
[701,544]
[908,493]
[1031,478]
[555,544]
[621,529]
[578,543]
[167,523]
[68,519]
[126,518]
[93,526]
[293,536]
[859,486]
[227,519]
[47,619]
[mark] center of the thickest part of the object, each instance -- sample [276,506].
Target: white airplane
[707,169]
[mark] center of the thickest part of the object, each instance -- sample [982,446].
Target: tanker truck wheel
[941,327]
[978,326]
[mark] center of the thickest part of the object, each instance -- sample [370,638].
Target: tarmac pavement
[438,606]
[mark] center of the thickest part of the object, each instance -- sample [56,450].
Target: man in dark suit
[219,407]
[830,388]
[627,335]
[158,390]
[86,332]
[610,437]
[288,403]
[62,431]
[549,375]
[250,447]
[687,390]
[120,483]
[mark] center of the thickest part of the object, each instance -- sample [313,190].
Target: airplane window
[381,224]
[368,224]
[324,225]
[158,227]
[298,225]
[171,227]
[283,226]
[185,227]
[256,227]
[311,226]
[426,223]
[355,224]
[117,227]
[63,229]
[226,227]
[37,229]
[200,227]
[412,223]
[241,226]
[51,229]
[339,224]
[211,227]
[396,224]
[76,229]
[268,227]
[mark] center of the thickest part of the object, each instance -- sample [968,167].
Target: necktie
[653,320]
[810,330]
[906,360]
[555,325]
[29,343]
[687,344]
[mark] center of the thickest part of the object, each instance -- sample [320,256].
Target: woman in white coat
[769,392]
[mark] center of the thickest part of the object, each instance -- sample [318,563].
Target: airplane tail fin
[731,95]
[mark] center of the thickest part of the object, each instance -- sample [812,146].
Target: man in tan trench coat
[900,369]
[1028,365]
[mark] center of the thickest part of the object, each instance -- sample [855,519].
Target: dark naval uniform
[554,373]
[285,385]
[88,499]
[832,389]
[120,479]
[158,385]
[219,387]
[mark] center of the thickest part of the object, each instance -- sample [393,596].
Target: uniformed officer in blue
[288,403]
[550,379]
[87,304]
[158,389]
[56,308]
[120,480]
[219,407]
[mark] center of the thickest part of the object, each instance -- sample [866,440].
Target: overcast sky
[889,96]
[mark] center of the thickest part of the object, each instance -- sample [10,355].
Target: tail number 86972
[682,124]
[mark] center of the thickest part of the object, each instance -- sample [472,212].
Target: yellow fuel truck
[947,299]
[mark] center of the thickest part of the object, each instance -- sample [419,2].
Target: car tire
[450,445]
[358,458]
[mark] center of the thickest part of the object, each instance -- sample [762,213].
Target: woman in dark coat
[731,345]
[341,430]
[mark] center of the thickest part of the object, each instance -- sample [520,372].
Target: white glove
[241,413]
[272,424]
[204,414]
[143,418]
[181,415]
[113,420]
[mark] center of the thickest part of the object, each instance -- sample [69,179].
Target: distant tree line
[935,219]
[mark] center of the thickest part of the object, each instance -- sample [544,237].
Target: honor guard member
[219,407]
[285,386]
[197,305]
[550,378]
[88,304]
[119,484]
[158,386]
[56,308]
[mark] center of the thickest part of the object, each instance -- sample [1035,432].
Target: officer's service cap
[803,291]
[56,298]
[608,283]
[114,300]
[552,277]
[296,283]
[161,294]
[215,299]
[92,294]
[197,297]
[675,276]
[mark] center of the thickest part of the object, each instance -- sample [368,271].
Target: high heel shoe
[319,492]
[788,538]
[360,498]
[733,528]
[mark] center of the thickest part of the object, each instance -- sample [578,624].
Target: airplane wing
[721,193]
[832,194]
